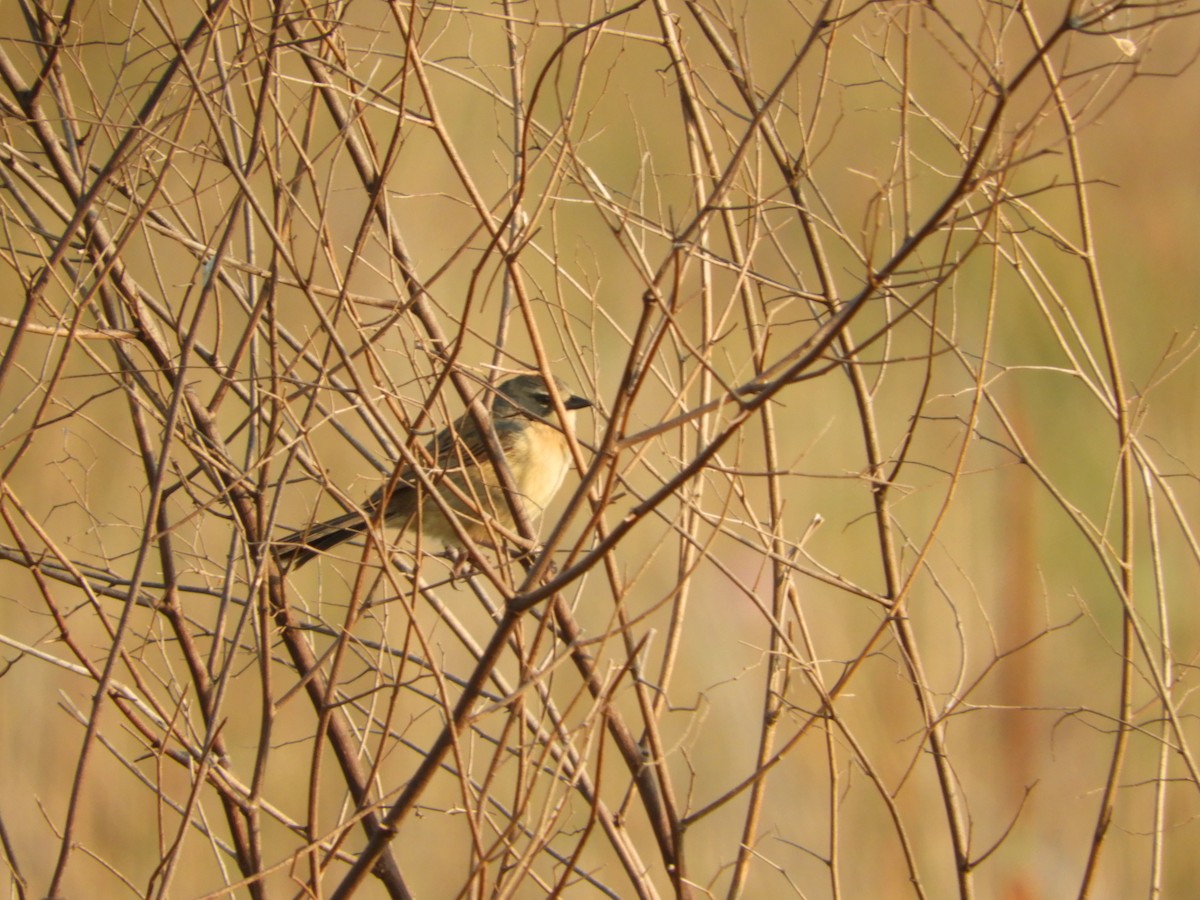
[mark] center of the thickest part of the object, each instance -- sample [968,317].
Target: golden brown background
[1007,198]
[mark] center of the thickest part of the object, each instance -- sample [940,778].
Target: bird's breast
[539,460]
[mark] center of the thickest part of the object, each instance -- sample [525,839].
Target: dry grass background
[877,575]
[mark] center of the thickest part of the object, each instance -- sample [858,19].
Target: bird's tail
[299,547]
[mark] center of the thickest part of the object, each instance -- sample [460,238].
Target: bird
[535,450]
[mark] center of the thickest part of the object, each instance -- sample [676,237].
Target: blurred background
[876,573]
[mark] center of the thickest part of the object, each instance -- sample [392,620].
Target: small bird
[534,448]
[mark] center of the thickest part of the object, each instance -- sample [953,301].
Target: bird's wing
[456,449]
[461,446]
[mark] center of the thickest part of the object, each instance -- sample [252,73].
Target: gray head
[529,393]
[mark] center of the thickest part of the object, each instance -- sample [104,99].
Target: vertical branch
[1125,511]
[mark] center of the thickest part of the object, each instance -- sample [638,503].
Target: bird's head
[529,393]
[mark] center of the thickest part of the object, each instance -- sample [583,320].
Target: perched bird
[534,448]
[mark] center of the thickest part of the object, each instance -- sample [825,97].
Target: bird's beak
[574,402]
